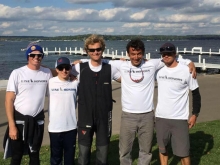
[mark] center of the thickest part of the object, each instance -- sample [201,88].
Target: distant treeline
[113,37]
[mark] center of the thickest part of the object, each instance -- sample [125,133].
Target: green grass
[204,139]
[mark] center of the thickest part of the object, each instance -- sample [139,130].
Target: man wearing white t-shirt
[24,103]
[94,102]
[172,112]
[62,116]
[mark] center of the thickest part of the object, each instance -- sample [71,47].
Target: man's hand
[13,132]
[72,77]
[192,69]
[192,121]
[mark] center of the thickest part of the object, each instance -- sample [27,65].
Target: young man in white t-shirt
[172,112]
[24,103]
[62,116]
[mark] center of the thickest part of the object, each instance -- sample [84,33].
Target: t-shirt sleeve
[116,63]
[115,73]
[158,63]
[84,60]
[184,61]
[193,83]
[12,85]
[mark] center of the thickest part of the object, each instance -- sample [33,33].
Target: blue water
[11,56]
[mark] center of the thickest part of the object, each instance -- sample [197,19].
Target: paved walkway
[209,89]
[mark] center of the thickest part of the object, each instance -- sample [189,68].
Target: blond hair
[94,39]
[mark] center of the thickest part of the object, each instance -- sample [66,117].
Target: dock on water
[118,55]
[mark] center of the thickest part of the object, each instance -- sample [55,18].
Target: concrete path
[209,89]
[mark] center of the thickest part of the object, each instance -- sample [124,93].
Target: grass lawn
[204,139]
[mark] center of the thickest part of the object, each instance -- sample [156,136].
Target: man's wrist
[196,114]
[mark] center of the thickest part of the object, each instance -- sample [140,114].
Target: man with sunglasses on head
[62,116]
[172,112]
[24,103]
[94,102]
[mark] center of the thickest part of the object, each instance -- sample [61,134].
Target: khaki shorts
[174,131]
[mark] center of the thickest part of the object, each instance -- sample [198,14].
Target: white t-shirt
[62,105]
[173,90]
[30,87]
[76,70]
[138,97]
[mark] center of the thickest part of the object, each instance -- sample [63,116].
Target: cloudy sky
[112,17]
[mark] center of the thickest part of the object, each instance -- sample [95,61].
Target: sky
[109,17]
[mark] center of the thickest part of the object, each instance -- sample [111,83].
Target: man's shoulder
[52,79]
[45,70]
[21,69]
[183,67]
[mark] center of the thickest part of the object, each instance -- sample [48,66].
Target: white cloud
[8,32]
[5,25]
[131,25]
[86,1]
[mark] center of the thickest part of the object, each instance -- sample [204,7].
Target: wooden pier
[198,50]
[115,55]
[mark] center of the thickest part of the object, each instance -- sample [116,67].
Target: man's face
[95,51]
[136,56]
[169,58]
[35,58]
[63,71]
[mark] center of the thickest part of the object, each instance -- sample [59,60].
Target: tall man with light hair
[94,102]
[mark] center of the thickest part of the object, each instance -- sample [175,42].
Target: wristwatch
[196,114]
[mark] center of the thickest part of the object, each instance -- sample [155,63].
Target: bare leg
[163,158]
[185,161]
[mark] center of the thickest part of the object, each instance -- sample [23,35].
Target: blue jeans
[141,124]
[63,143]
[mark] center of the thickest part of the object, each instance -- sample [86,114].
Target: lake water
[11,56]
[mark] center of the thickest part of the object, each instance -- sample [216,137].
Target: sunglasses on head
[61,67]
[33,55]
[171,49]
[93,50]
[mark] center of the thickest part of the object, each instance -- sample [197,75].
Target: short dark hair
[136,44]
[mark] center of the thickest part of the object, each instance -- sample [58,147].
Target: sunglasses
[93,50]
[33,55]
[66,67]
[167,54]
[171,49]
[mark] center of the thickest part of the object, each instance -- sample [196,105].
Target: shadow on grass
[201,144]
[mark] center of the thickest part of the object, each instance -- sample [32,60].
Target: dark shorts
[176,132]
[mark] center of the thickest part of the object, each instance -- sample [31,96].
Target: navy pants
[63,144]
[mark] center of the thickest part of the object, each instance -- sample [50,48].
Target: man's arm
[190,64]
[9,106]
[196,103]
[192,69]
